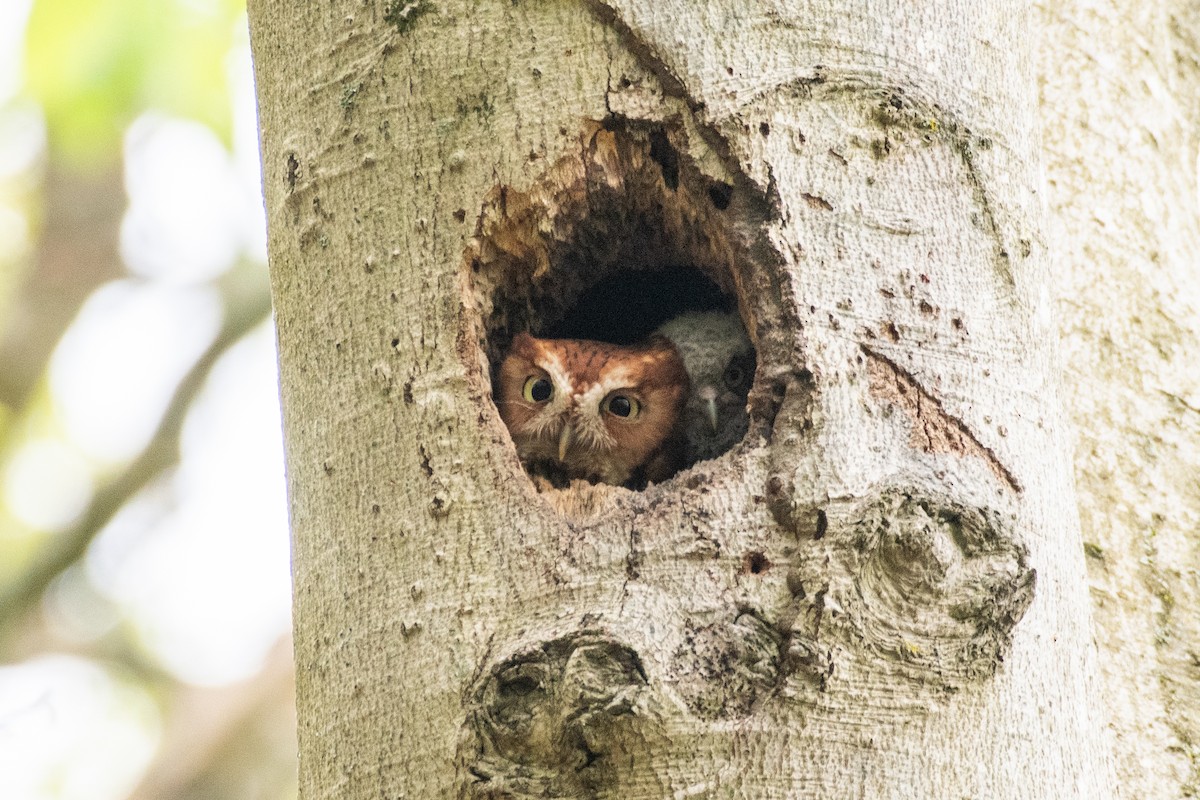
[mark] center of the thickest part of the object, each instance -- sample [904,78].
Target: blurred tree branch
[246,300]
[76,252]
[235,741]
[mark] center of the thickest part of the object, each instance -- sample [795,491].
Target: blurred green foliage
[93,65]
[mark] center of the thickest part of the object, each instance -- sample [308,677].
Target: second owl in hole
[720,362]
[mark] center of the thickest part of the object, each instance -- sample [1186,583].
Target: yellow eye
[621,405]
[537,389]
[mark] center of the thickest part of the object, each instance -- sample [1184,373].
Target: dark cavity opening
[626,307]
[623,242]
[755,563]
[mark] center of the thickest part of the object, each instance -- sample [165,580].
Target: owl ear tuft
[523,341]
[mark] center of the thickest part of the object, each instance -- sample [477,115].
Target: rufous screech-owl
[604,413]
[628,415]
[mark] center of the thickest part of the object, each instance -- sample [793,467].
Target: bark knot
[918,585]
[545,722]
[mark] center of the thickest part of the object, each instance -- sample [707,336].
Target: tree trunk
[1121,106]
[880,592]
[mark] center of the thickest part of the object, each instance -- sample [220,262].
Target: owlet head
[720,363]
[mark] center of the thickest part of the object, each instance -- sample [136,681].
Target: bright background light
[51,710]
[206,579]
[48,484]
[155,636]
[118,365]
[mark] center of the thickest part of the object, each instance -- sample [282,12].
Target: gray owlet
[720,363]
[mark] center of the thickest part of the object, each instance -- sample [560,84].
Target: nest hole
[628,306]
[614,249]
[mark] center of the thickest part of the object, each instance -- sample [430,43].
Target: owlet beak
[709,396]
[710,411]
[564,442]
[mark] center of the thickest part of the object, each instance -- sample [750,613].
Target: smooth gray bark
[879,593]
[1121,102]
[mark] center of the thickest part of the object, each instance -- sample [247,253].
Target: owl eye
[537,390]
[733,377]
[620,405]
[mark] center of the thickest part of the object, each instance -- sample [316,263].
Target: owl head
[720,362]
[600,412]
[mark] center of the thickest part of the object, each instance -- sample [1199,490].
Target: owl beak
[710,413]
[709,395]
[564,442]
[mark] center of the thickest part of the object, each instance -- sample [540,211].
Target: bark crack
[934,429]
[608,85]
[640,48]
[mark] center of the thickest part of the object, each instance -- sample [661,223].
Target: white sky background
[197,564]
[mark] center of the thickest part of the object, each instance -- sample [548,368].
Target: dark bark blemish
[934,429]
[816,201]
[403,14]
[292,174]
[663,153]
[720,194]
